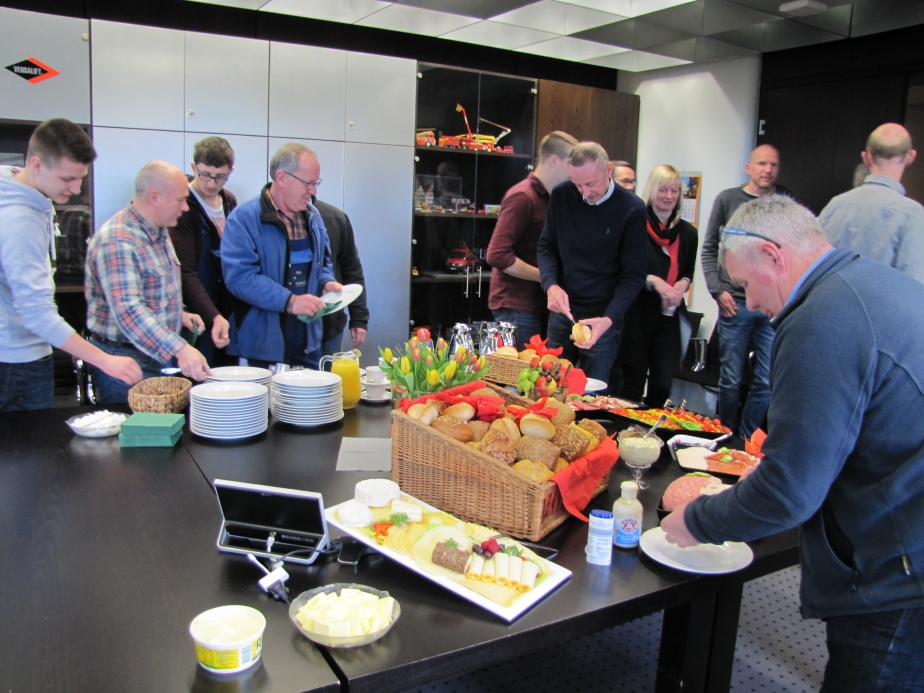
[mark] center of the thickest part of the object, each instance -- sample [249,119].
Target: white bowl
[90,432]
[329,640]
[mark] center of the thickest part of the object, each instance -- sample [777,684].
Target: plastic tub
[228,638]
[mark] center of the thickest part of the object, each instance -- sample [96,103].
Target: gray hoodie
[29,320]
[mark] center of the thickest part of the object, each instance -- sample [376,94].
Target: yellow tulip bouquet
[420,368]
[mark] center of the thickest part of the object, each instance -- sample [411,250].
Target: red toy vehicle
[426,138]
[461,258]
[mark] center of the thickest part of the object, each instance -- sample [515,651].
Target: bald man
[738,325]
[876,219]
[134,299]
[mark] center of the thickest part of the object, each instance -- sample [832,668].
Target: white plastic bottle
[627,516]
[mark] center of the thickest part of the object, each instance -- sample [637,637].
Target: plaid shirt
[133,286]
[295,228]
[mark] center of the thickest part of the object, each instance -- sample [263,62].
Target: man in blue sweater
[844,457]
[592,259]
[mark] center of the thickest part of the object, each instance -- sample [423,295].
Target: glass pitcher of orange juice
[346,365]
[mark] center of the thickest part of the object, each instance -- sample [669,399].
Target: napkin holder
[271,522]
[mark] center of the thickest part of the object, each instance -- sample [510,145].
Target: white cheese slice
[377,493]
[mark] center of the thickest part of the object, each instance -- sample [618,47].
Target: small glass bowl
[89,432]
[329,640]
[638,458]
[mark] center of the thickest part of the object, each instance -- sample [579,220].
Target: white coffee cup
[374,374]
[376,390]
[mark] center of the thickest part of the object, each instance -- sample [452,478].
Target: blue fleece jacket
[254,260]
[844,455]
[29,320]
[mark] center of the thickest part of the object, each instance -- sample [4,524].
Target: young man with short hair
[58,158]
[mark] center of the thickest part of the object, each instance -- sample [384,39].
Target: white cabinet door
[330,156]
[307,93]
[381,99]
[122,153]
[35,46]
[137,76]
[377,196]
[250,163]
[227,83]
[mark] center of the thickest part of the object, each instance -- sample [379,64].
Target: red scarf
[673,250]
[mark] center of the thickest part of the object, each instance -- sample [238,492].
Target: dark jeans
[876,653]
[734,336]
[332,345]
[596,361]
[663,356]
[27,386]
[111,390]
[527,324]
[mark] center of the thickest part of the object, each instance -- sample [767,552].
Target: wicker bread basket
[504,370]
[471,485]
[160,395]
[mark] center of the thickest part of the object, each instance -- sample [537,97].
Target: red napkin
[576,381]
[578,481]
[753,445]
[487,408]
[538,345]
[538,408]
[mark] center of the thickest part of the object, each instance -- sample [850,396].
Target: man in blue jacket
[276,261]
[844,456]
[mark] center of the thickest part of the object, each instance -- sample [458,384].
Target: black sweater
[597,254]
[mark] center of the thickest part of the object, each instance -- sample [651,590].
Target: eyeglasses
[626,181]
[220,178]
[739,232]
[306,183]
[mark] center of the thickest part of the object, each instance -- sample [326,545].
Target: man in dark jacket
[197,241]
[847,365]
[348,269]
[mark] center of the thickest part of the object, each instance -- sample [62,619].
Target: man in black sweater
[592,259]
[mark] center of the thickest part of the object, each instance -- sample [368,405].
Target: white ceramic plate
[365,397]
[339,300]
[301,422]
[303,379]
[705,559]
[594,385]
[241,373]
[228,391]
[228,436]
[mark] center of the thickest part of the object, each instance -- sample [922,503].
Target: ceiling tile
[752,37]
[348,11]
[644,7]
[708,49]
[685,50]
[637,61]
[884,15]
[492,8]
[414,20]
[836,20]
[686,17]
[628,8]
[568,48]
[490,33]
[556,17]
[620,34]
[647,34]
[773,6]
[466,8]
[243,4]
[726,16]
[786,33]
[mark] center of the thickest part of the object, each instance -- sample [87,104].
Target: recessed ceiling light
[803,8]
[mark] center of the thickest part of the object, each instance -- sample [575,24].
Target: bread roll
[462,411]
[548,358]
[592,441]
[479,429]
[474,444]
[565,413]
[484,391]
[526,355]
[415,410]
[439,404]
[507,427]
[560,464]
[454,428]
[538,426]
[572,442]
[537,450]
[499,445]
[581,333]
[507,352]
[533,470]
[590,425]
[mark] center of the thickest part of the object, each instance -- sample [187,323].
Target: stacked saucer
[241,374]
[228,410]
[307,398]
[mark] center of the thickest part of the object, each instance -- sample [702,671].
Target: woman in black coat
[650,346]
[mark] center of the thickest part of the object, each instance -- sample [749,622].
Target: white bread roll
[581,333]
[538,426]
[507,352]
[507,426]
[526,355]
[462,411]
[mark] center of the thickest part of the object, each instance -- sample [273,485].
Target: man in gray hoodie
[58,158]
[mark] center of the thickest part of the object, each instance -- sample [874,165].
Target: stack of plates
[307,398]
[228,410]
[241,374]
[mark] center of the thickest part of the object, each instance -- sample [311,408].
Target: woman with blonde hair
[650,347]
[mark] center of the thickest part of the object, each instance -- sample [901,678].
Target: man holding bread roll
[516,295]
[592,260]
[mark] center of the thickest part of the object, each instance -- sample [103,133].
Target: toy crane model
[485,143]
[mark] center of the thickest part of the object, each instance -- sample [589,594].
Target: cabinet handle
[466,282]
[411,321]
[479,282]
[417,159]
[529,167]
[352,125]
[191,111]
[413,241]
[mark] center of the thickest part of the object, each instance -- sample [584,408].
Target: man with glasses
[197,240]
[738,325]
[276,260]
[624,174]
[847,362]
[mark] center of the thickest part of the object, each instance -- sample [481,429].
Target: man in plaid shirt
[134,301]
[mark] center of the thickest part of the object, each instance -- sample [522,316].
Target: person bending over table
[134,303]
[592,259]
[650,346]
[846,362]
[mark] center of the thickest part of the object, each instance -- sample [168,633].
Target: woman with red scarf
[651,335]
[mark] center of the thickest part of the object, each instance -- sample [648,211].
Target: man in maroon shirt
[516,295]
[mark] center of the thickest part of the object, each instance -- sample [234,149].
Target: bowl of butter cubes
[99,424]
[344,615]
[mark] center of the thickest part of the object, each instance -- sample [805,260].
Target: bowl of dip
[99,424]
[228,638]
[636,451]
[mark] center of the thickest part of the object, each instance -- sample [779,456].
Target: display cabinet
[475,139]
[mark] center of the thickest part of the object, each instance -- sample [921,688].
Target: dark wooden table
[108,554]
